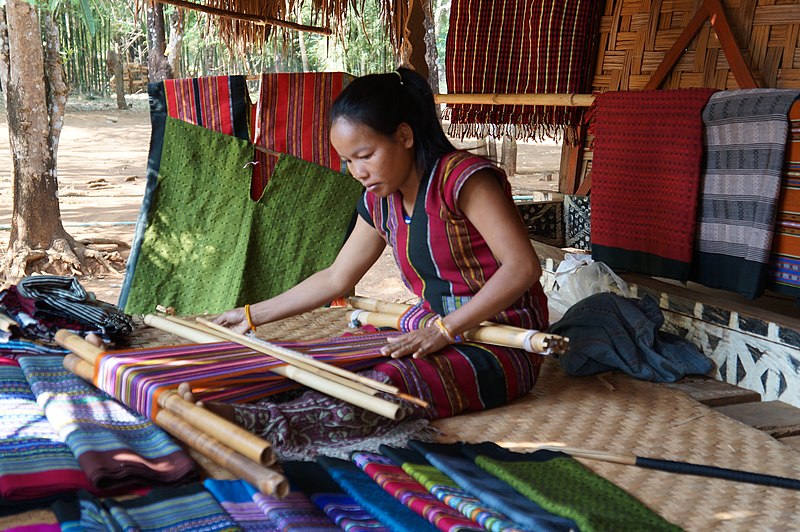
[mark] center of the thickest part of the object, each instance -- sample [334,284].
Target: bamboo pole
[266,480]
[373,404]
[557,99]
[242,441]
[255,19]
[341,376]
[388,315]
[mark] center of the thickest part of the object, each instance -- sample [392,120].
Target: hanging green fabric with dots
[208,247]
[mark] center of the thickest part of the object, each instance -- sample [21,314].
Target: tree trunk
[175,42]
[4,62]
[157,64]
[36,217]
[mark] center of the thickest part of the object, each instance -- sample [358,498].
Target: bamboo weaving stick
[533,341]
[365,401]
[266,480]
[685,468]
[246,443]
[342,376]
[317,367]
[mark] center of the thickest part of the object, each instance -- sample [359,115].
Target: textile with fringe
[648,150]
[519,46]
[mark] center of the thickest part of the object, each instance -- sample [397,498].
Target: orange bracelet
[439,323]
[249,318]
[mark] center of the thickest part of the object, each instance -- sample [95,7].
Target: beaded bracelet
[249,318]
[439,323]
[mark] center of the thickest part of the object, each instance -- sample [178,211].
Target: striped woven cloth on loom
[448,491]
[220,103]
[408,491]
[562,485]
[313,481]
[292,117]
[34,461]
[208,247]
[785,261]
[386,509]
[450,460]
[236,498]
[545,47]
[189,507]
[746,133]
[115,447]
[648,149]
[222,371]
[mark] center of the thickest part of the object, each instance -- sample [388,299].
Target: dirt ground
[102,160]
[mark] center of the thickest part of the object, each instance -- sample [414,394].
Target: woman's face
[382,163]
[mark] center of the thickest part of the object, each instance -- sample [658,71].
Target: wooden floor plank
[773,417]
[712,392]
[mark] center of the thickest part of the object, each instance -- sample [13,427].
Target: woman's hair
[384,101]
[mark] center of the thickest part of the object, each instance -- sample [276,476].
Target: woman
[457,239]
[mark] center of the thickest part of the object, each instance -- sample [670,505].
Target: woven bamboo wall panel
[635,35]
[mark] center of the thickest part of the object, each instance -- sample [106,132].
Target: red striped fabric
[292,117]
[519,46]
[219,103]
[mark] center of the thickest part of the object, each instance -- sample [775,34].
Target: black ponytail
[384,101]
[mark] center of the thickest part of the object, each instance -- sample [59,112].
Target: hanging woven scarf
[292,117]
[644,206]
[519,46]
[220,104]
[746,132]
[785,261]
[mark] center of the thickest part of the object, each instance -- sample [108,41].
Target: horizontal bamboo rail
[566,100]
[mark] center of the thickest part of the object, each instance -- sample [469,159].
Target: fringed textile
[563,486]
[785,260]
[34,462]
[189,507]
[115,447]
[746,132]
[312,480]
[218,103]
[408,491]
[646,166]
[519,46]
[203,221]
[450,460]
[372,498]
[292,117]
[448,491]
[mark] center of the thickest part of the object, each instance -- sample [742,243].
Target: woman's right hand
[234,319]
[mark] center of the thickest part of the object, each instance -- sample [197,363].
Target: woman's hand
[415,343]
[234,319]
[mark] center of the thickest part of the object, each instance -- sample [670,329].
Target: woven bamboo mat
[653,421]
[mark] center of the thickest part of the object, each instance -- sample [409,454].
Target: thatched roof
[247,22]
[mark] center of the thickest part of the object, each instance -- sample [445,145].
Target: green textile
[565,487]
[206,247]
[307,210]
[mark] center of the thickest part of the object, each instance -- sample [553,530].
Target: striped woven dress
[444,260]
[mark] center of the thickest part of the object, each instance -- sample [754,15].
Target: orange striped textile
[785,260]
[519,46]
[292,117]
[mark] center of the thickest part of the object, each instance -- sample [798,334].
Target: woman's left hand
[415,343]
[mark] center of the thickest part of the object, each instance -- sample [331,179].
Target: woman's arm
[484,203]
[359,253]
